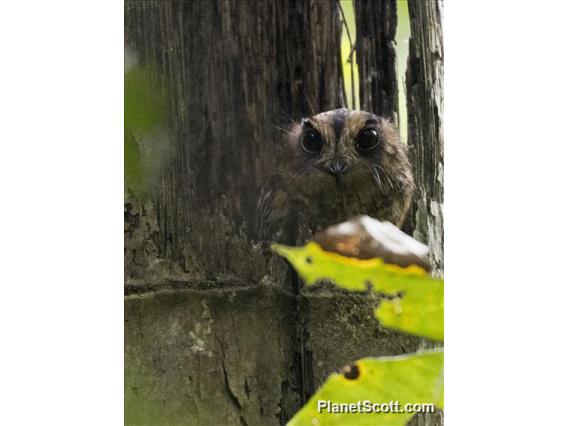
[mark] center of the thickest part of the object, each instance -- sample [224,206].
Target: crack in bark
[199,287]
[228,391]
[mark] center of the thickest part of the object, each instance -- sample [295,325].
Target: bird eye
[367,140]
[312,142]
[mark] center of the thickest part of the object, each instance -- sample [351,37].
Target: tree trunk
[235,70]
[424,79]
[424,83]
[376,56]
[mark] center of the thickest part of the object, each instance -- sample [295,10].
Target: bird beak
[337,169]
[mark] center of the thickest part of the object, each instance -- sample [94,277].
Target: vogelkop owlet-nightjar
[335,165]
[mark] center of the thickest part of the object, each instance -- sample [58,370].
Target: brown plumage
[333,166]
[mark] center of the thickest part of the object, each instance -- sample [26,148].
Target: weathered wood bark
[424,79]
[376,56]
[233,70]
[424,84]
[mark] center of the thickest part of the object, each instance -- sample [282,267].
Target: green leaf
[420,309]
[408,379]
[419,312]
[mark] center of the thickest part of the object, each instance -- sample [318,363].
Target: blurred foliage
[408,379]
[416,306]
[349,55]
[144,108]
[134,179]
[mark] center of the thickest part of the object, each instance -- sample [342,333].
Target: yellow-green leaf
[314,264]
[419,311]
[386,383]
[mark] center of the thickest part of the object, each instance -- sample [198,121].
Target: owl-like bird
[335,165]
